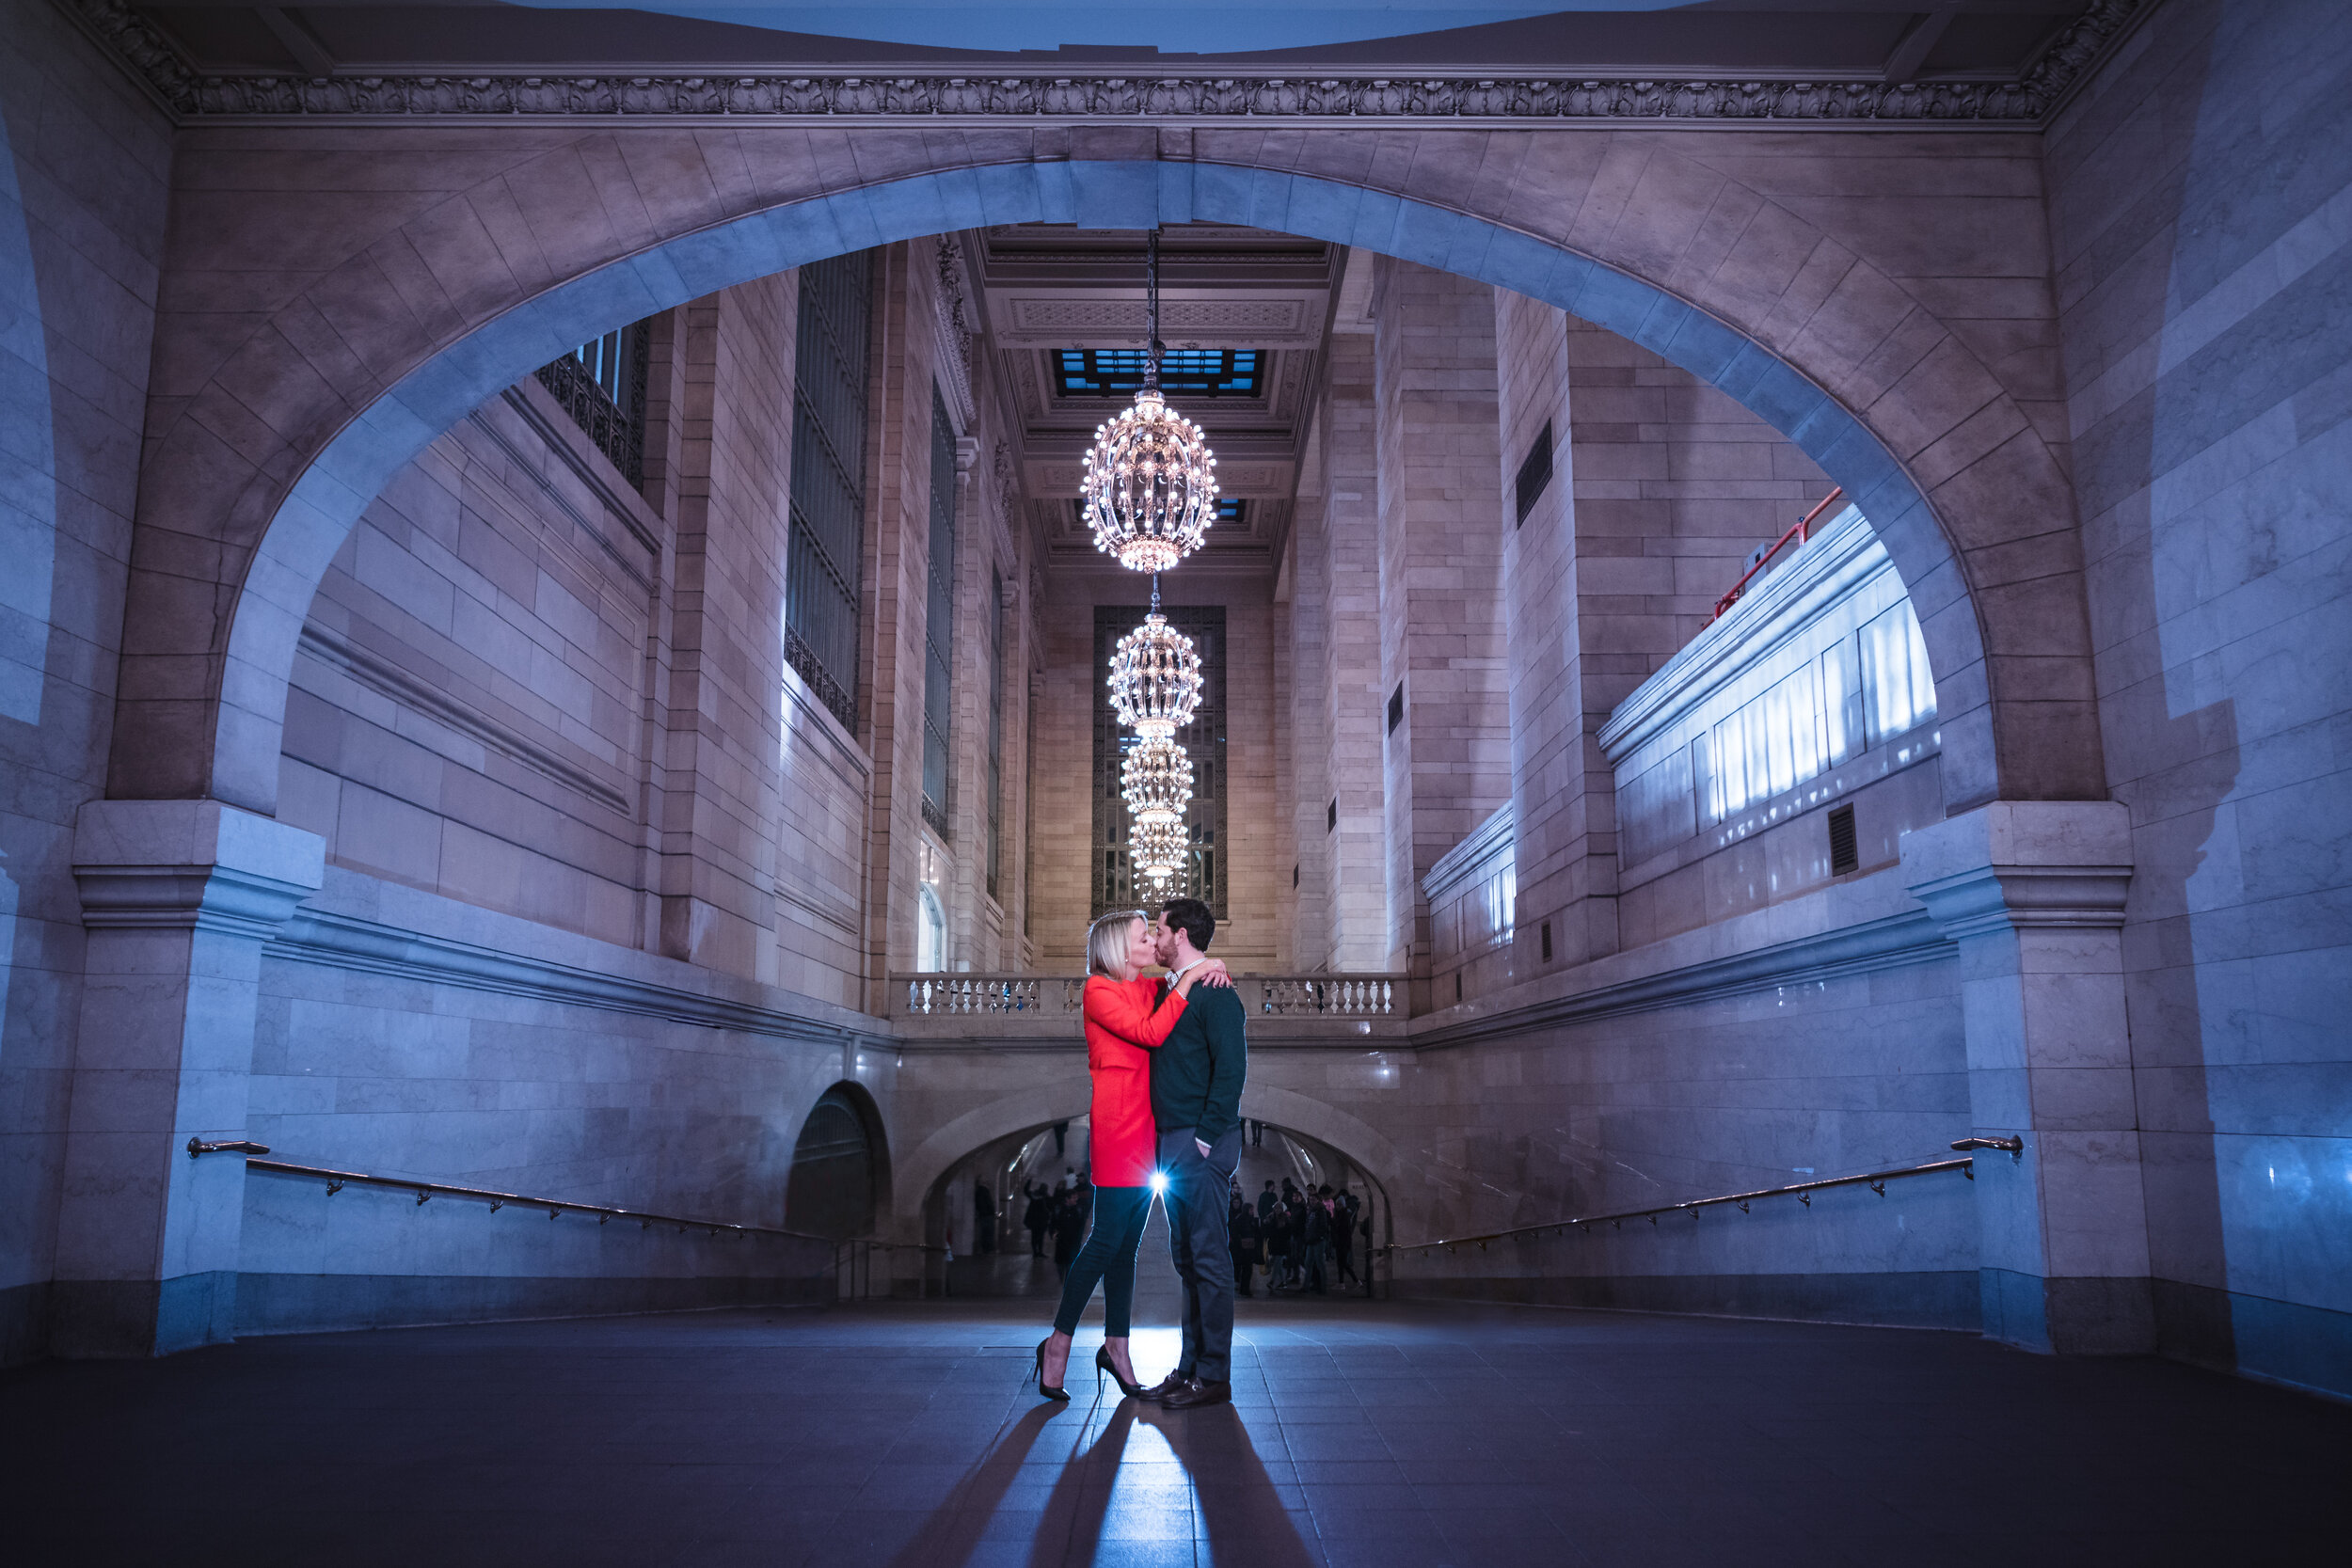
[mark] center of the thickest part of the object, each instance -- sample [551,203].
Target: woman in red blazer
[1124,1020]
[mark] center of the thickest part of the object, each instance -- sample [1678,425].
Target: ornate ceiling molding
[954,313]
[2023,103]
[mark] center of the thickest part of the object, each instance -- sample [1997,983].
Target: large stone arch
[1063,1097]
[292,383]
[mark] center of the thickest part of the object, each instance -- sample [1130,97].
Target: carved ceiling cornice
[1564,97]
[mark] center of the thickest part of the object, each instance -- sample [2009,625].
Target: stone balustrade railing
[1046,996]
[951,995]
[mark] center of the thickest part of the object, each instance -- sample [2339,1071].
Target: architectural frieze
[1032,95]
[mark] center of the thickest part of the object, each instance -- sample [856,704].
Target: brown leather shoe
[1198,1393]
[1173,1383]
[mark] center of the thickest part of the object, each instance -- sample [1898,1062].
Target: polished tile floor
[1363,1434]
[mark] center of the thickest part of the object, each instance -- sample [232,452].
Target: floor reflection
[1137,1485]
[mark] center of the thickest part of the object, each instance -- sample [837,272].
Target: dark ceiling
[1897,40]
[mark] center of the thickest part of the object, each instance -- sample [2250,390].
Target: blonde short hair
[1106,941]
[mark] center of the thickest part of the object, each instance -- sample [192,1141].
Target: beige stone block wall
[1674,484]
[468,714]
[528,688]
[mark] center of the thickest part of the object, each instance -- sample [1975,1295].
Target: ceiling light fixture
[1151,480]
[1159,850]
[1155,676]
[1157,780]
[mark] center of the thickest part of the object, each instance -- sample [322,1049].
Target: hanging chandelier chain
[1151,306]
[1149,481]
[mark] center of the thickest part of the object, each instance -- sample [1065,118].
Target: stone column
[722,768]
[1447,754]
[1563,793]
[1336,691]
[2033,894]
[178,897]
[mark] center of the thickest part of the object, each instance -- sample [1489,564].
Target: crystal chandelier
[1151,480]
[1156,779]
[1155,677]
[1158,849]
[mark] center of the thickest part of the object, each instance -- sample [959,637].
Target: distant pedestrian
[1037,1216]
[1242,1224]
[1318,1243]
[983,1218]
[1273,1244]
[1343,1234]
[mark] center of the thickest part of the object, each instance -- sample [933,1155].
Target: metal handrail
[1765,558]
[1802,1191]
[426,1191]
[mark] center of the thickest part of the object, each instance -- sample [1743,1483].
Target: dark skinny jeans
[1109,1256]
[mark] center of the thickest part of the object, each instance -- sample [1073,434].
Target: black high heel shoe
[1045,1389]
[1103,1364]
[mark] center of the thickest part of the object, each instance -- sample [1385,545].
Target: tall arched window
[931,931]
[827,520]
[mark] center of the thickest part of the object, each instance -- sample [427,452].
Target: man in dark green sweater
[1196,1075]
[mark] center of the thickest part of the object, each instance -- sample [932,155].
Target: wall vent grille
[1845,852]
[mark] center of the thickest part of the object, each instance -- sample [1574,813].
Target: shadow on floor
[1362,1435]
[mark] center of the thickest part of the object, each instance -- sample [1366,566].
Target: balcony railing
[1053,996]
[987,995]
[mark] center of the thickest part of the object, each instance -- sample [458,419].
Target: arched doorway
[834,1187]
[1041,1162]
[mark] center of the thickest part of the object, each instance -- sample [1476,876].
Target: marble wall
[1672,1077]
[84,167]
[2201,204]
[405,1033]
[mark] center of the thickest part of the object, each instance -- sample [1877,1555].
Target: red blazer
[1121,1027]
